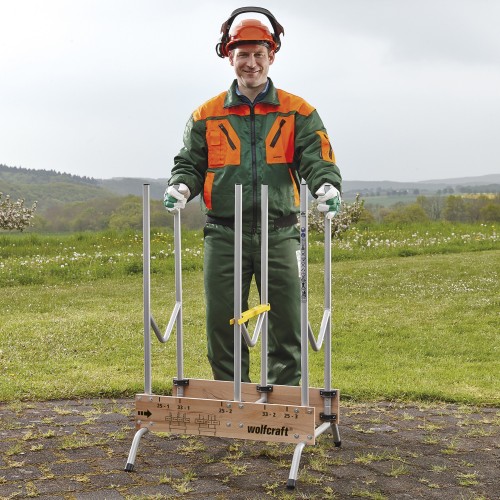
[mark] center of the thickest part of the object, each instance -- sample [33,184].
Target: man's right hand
[176,197]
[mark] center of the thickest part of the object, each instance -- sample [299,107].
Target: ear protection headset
[221,47]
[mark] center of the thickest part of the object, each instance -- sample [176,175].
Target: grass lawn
[424,327]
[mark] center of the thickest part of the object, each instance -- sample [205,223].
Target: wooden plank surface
[281,394]
[225,418]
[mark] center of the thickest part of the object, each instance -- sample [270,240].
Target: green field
[416,314]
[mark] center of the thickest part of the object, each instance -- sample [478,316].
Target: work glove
[176,197]
[329,200]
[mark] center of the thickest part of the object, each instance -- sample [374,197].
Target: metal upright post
[328,335]
[264,276]
[304,328]
[146,285]
[146,250]
[178,299]
[237,288]
[328,307]
[304,315]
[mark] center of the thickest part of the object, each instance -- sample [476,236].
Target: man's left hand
[329,200]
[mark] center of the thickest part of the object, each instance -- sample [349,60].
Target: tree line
[126,212]
[470,208]
[114,212]
[31,175]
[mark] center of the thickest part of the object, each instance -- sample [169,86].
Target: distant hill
[429,186]
[49,188]
[68,202]
[132,185]
[470,181]
[489,183]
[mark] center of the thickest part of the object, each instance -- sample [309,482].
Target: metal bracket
[332,417]
[264,388]
[327,394]
[181,382]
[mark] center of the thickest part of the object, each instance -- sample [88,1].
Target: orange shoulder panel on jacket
[290,102]
[214,108]
[207,109]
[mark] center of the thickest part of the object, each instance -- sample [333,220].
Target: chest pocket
[280,141]
[224,146]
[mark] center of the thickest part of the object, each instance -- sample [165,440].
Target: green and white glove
[329,200]
[176,197]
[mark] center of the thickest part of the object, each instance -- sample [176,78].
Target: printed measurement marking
[267,414]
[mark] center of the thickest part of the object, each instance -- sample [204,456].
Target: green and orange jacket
[276,141]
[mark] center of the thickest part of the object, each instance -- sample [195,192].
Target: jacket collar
[233,99]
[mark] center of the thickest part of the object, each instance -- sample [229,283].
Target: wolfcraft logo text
[264,429]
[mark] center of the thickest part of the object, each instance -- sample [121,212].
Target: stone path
[77,450]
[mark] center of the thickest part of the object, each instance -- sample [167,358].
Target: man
[253,134]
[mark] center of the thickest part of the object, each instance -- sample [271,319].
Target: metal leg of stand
[133,449]
[294,469]
[336,435]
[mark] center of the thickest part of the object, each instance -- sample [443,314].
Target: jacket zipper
[278,133]
[254,168]
[226,133]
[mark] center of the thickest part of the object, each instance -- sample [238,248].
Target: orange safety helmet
[249,31]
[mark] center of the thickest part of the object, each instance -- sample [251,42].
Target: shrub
[350,214]
[14,215]
[406,214]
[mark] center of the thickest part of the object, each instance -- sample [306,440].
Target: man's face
[251,64]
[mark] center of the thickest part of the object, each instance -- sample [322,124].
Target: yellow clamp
[255,311]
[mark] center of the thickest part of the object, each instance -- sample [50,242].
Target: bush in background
[350,214]
[14,216]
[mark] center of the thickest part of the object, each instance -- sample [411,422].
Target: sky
[408,90]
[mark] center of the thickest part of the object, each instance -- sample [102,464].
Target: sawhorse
[259,412]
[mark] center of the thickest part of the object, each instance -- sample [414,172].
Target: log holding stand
[259,412]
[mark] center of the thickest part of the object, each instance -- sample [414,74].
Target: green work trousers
[283,294]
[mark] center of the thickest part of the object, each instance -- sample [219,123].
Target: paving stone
[143,491]
[57,486]
[20,473]
[70,468]
[105,480]
[98,495]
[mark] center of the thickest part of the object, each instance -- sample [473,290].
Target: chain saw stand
[259,412]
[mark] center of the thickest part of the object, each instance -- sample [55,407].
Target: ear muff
[221,48]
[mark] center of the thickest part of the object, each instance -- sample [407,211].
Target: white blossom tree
[14,216]
[349,215]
